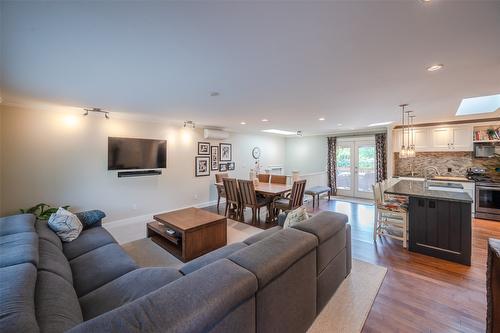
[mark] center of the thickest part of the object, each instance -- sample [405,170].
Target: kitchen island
[439,219]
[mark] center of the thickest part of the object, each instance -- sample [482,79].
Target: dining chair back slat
[278,179]
[263,177]
[297,195]
[231,188]
[248,194]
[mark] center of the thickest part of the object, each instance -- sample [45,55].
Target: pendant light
[403,153]
[411,152]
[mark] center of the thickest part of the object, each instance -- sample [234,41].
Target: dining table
[269,190]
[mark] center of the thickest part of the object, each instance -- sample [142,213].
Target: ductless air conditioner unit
[215,134]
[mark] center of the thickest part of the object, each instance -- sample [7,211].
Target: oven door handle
[488,188]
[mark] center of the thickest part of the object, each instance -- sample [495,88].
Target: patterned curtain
[332,164]
[381,156]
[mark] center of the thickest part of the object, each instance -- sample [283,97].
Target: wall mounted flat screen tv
[134,154]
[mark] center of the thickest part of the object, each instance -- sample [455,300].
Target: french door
[355,168]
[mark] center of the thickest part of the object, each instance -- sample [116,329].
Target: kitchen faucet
[426,176]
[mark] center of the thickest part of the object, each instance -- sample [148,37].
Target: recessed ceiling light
[277,131]
[434,68]
[243,123]
[380,124]
[481,104]
[265,120]
[214,93]
[321,119]
[339,125]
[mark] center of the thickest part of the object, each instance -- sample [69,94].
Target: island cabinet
[440,228]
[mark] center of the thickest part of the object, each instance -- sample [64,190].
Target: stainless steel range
[487,194]
[488,200]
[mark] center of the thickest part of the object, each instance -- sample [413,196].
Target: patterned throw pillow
[295,216]
[65,224]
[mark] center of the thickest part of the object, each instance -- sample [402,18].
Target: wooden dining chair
[250,199]
[221,193]
[278,179]
[233,198]
[263,177]
[295,200]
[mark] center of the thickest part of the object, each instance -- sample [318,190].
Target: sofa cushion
[125,289]
[65,224]
[17,294]
[53,260]
[100,266]
[17,223]
[192,303]
[88,240]
[44,232]
[271,256]
[57,307]
[211,257]
[19,248]
[261,235]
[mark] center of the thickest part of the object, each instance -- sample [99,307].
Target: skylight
[277,131]
[476,105]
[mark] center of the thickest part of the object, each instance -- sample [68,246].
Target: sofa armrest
[193,303]
[323,225]
[91,218]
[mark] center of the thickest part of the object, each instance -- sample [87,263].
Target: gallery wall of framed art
[211,157]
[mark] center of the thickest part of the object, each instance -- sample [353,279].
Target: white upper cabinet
[462,138]
[420,139]
[442,138]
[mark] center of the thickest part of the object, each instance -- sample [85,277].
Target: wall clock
[256,153]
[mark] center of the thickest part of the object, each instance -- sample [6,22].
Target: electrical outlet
[134,206]
[196,196]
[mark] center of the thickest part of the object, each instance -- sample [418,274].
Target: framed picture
[222,167]
[230,166]
[225,152]
[202,166]
[214,158]
[203,148]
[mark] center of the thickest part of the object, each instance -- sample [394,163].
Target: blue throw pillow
[91,218]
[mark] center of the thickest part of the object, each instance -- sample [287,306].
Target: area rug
[346,312]
[348,309]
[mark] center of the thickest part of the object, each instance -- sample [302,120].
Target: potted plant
[41,211]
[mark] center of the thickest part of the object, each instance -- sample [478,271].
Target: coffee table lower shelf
[175,250]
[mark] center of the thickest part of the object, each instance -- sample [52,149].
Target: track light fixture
[189,124]
[98,110]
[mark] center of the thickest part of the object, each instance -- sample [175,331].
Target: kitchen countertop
[415,188]
[444,178]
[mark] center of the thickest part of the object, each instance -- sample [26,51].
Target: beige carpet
[347,310]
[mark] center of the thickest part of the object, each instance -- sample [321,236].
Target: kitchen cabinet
[430,139]
[440,228]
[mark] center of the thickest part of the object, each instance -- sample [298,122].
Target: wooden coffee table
[196,232]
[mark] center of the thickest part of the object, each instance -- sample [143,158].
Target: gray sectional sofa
[276,281]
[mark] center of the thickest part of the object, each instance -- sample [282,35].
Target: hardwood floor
[419,293]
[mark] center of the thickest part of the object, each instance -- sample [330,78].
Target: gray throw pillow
[65,224]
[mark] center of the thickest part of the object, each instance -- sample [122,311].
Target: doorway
[355,167]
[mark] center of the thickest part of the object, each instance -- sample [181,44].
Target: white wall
[60,157]
[306,154]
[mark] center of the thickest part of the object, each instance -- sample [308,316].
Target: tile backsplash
[458,162]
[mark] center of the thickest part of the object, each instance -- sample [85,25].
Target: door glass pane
[366,168]
[344,168]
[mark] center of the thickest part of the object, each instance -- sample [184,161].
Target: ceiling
[290,62]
